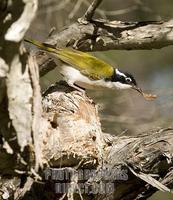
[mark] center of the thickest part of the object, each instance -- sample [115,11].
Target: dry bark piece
[149,97]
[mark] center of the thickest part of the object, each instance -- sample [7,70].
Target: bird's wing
[87,64]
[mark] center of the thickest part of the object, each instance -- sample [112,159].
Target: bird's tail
[41,46]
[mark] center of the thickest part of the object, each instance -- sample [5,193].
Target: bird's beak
[137,89]
[146,96]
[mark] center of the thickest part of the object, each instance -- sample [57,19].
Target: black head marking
[130,79]
[122,77]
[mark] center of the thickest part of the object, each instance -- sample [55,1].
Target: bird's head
[124,80]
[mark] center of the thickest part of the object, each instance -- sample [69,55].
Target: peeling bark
[16,93]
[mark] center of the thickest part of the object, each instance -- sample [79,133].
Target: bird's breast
[75,76]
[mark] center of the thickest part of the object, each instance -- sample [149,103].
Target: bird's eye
[128,80]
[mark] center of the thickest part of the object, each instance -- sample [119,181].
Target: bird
[84,71]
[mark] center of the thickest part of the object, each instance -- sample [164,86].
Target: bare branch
[113,12]
[90,12]
[109,35]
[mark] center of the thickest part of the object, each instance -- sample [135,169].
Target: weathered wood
[37,141]
[16,93]
[73,140]
[101,35]
[91,10]
[76,129]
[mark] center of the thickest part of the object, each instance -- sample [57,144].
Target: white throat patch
[121,86]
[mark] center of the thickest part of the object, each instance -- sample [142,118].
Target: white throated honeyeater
[83,70]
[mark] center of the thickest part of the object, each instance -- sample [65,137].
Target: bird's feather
[87,64]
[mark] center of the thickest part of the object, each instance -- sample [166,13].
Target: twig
[90,12]
[113,12]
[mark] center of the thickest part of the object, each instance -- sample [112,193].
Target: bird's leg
[71,84]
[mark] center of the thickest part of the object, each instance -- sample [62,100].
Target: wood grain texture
[74,140]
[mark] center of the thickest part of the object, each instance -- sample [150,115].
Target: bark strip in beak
[146,96]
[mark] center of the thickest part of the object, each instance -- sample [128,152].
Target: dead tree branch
[104,35]
[91,10]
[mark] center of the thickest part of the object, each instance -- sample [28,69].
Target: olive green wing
[87,64]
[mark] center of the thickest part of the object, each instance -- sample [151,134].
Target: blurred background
[121,112]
